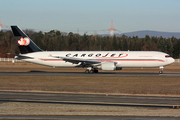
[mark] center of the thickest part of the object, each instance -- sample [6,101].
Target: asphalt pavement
[100,74]
[91,99]
[19,117]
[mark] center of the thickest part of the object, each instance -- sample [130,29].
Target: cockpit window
[167,56]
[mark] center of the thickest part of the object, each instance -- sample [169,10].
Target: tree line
[55,40]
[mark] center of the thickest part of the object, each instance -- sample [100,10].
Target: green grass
[118,85]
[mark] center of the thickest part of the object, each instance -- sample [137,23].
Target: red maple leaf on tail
[21,41]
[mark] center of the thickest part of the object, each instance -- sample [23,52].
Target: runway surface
[87,117]
[100,74]
[90,99]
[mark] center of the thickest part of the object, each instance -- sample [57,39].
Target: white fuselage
[122,58]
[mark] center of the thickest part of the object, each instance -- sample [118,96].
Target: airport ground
[90,84]
[150,86]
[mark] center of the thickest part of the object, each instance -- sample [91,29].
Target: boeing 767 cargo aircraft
[92,60]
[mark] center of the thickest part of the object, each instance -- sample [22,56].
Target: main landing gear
[161,69]
[91,70]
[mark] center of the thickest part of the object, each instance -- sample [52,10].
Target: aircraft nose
[172,60]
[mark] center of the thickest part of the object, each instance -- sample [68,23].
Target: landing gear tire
[95,71]
[91,71]
[87,71]
[160,72]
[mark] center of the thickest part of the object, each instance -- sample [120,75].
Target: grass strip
[119,85]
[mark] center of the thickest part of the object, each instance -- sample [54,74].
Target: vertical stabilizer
[25,44]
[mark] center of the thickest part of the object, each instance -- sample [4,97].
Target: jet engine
[108,66]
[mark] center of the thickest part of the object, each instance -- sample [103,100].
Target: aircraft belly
[144,64]
[125,64]
[65,64]
[138,64]
[58,63]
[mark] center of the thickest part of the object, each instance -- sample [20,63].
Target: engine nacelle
[108,66]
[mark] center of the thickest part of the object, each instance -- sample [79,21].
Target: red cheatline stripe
[131,60]
[104,60]
[51,59]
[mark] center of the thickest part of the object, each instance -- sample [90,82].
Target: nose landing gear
[161,70]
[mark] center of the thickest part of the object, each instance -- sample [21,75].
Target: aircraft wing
[20,57]
[78,60]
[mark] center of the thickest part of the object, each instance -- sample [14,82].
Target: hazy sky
[92,15]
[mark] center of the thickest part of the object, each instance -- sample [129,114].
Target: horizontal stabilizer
[19,57]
